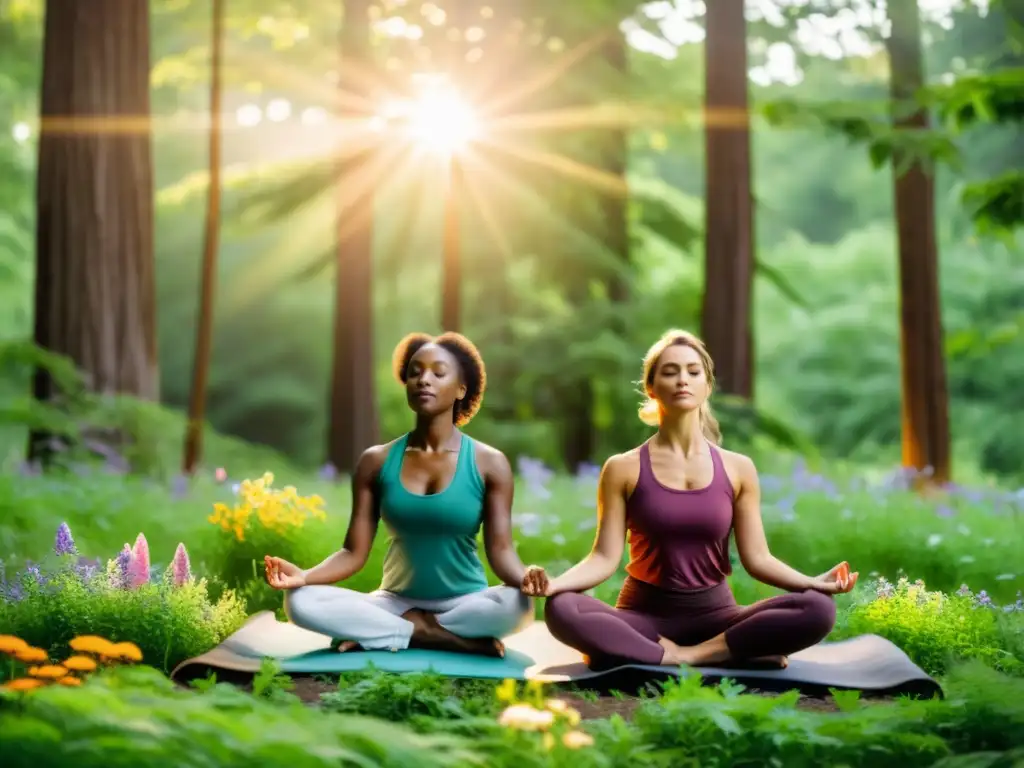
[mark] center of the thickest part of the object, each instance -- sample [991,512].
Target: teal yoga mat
[868,663]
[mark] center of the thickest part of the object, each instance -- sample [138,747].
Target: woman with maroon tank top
[680,497]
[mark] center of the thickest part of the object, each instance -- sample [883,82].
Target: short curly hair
[471,368]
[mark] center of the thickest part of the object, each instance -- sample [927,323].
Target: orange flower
[48,672]
[11,644]
[31,655]
[23,684]
[126,651]
[71,681]
[79,663]
[91,644]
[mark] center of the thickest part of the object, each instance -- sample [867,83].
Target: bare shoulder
[372,459]
[492,461]
[622,469]
[741,469]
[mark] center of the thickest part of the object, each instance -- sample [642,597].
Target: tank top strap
[721,478]
[391,470]
[646,475]
[466,469]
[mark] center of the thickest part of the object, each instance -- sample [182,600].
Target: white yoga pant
[374,620]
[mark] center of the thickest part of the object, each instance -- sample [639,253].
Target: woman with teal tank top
[434,488]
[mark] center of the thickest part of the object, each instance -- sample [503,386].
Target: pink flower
[138,570]
[180,565]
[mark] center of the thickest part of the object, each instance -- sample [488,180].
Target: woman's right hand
[283,575]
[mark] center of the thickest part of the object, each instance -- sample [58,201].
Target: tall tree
[353,407]
[729,213]
[95,293]
[208,278]
[925,398]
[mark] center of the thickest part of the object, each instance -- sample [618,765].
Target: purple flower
[64,544]
[123,567]
[138,570]
[964,590]
[328,472]
[181,567]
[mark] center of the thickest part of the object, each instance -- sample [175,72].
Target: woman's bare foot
[428,633]
[348,645]
[708,653]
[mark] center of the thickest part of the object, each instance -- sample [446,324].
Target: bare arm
[751,541]
[362,527]
[501,554]
[606,554]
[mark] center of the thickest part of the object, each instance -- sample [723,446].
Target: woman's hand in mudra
[535,582]
[837,580]
[283,575]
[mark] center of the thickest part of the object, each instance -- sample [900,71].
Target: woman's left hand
[535,581]
[837,580]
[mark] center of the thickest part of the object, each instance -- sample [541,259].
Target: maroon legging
[776,626]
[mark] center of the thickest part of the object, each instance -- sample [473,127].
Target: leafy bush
[936,630]
[135,716]
[171,618]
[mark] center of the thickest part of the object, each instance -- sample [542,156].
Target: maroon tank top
[679,539]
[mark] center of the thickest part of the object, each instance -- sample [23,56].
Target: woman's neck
[434,433]
[682,434]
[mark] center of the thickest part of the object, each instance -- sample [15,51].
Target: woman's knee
[297,603]
[513,600]
[819,612]
[560,608]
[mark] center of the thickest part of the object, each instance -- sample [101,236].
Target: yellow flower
[563,710]
[548,741]
[48,672]
[71,681]
[23,684]
[11,644]
[31,655]
[507,690]
[577,739]
[523,717]
[79,663]
[91,644]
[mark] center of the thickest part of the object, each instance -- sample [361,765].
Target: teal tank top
[432,548]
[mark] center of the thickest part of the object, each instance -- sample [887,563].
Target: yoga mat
[868,663]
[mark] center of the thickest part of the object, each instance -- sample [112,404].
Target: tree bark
[924,410]
[208,278]
[353,403]
[729,215]
[95,288]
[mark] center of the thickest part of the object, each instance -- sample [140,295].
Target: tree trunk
[208,278]
[353,403]
[729,216]
[925,415]
[95,292]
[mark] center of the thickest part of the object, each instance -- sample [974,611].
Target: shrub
[936,629]
[170,618]
[135,716]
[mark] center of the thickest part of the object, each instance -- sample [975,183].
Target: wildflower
[79,664]
[125,651]
[181,566]
[964,591]
[70,681]
[64,544]
[91,644]
[577,739]
[11,644]
[122,566]
[23,684]
[48,672]
[138,571]
[220,475]
[523,717]
[563,710]
[506,692]
[31,655]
